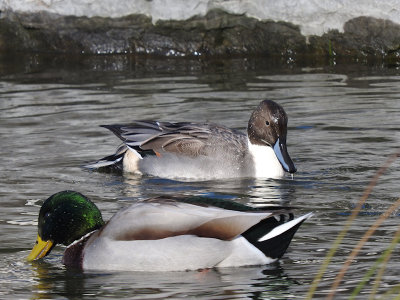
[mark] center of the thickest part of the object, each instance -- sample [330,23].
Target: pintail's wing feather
[186,138]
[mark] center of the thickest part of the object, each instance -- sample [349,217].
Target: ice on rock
[313,16]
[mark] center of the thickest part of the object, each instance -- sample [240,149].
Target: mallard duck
[202,150]
[163,234]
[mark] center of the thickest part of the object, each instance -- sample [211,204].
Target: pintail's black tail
[111,163]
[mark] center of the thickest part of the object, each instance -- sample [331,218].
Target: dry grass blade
[393,290]
[380,261]
[385,258]
[347,225]
[360,244]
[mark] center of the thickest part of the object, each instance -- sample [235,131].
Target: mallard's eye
[267,123]
[46,215]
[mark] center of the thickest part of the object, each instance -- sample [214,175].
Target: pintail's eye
[267,123]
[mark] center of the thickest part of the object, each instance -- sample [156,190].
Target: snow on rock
[313,16]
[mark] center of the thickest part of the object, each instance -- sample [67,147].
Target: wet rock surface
[217,33]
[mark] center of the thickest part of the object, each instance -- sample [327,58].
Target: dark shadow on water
[259,282]
[245,190]
[221,72]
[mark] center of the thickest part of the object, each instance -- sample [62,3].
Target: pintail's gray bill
[282,154]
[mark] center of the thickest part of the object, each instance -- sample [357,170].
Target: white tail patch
[131,161]
[284,227]
[135,152]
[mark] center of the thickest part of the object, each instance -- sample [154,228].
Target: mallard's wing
[161,218]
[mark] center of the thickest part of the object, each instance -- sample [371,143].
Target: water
[343,124]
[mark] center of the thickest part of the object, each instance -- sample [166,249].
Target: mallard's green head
[63,218]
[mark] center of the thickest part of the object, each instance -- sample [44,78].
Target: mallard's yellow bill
[40,249]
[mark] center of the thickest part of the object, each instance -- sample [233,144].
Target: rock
[371,35]
[217,33]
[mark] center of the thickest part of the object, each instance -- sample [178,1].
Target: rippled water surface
[344,122]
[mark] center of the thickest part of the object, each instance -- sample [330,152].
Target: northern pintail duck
[163,234]
[203,150]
